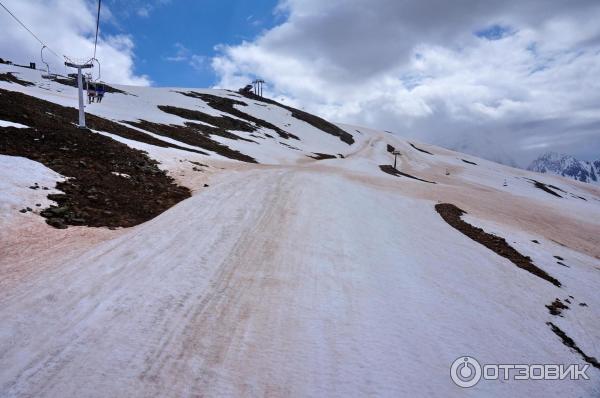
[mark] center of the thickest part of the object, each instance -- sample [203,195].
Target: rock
[38,204]
[55,211]
[29,209]
[22,211]
[206,185]
[56,223]
[56,196]
[34,187]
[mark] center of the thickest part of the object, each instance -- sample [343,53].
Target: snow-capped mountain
[202,242]
[567,166]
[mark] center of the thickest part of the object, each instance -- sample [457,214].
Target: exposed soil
[557,188]
[71,82]
[95,195]
[289,146]
[313,120]
[469,162]
[386,168]
[578,197]
[571,344]
[551,189]
[191,135]
[217,131]
[322,156]
[555,308]
[11,78]
[44,115]
[452,215]
[218,124]
[227,105]
[544,187]
[419,149]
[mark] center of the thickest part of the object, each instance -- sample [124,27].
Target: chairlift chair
[46,75]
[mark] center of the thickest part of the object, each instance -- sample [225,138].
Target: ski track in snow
[293,278]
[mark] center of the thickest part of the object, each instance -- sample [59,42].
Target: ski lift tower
[396,154]
[79,66]
[258,87]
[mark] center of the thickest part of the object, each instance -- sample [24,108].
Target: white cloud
[184,54]
[68,28]
[143,11]
[420,70]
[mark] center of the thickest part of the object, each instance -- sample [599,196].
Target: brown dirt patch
[190,135]
[11,78]
[95,195]
[386,168]
[71,82]
[322,156]
[452,215]
[111,184]
[544,187]
[419,149]
[306,117]
[569,342]
[227,105]
[555,308]
[45,115]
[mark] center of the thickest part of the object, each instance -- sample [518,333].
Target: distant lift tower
[79,66]
[258,87]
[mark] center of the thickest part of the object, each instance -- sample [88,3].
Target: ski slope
[293,276]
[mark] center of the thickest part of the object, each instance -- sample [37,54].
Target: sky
[502,80]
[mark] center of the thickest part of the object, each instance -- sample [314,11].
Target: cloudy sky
[506,80]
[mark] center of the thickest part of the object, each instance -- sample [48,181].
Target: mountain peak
[567,166]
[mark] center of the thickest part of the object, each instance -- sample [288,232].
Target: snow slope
[294,276]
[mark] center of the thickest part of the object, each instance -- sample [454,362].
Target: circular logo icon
[465,372]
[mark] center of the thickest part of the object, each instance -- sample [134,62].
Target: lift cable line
[97,27]
[29,30]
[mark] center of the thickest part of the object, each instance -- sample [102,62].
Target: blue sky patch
[494,32]
[175,40]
